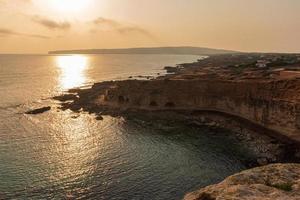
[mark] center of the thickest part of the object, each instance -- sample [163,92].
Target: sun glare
[72,70]
[69,5]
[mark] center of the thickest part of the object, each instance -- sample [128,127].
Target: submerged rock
[38,111]
[277,181]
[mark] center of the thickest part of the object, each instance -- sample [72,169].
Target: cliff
[271,105]
[272,182]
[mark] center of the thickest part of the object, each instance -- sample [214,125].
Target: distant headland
[183,50]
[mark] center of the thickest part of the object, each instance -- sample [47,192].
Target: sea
[65,155]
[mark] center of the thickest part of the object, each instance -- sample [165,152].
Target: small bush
[283,186]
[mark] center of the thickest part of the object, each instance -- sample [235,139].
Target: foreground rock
[272,182]
[38,111]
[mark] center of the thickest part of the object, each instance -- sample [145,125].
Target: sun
[69,5]
[67,9]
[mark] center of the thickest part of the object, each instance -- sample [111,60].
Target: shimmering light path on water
[72,70]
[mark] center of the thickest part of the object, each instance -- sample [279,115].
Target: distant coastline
[184,50]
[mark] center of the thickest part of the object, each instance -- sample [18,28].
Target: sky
[39,26]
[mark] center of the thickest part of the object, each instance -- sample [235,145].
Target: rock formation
[272,105]
[38,110]
[272,182]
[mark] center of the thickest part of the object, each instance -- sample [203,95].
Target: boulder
[38,110]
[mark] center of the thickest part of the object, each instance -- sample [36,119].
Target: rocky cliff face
[273,105]
[272,182]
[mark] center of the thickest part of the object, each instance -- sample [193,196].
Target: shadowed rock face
[274,105]
[272,182]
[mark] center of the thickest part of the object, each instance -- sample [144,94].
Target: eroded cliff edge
[273,105]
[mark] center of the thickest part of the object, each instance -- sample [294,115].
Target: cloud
[8,32]
[51,24]
[134,29]
[105,21]
[122,28]
[14,1]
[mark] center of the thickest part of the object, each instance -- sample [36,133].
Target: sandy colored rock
[272,182]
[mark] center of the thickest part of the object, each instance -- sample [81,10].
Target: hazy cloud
[136,29]
[108,22]
[122,28]
[8,32]
[51,24]
[14,1]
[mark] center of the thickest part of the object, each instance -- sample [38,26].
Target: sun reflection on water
[72,70]
[73,151]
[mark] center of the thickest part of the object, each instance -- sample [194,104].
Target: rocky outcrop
[250,109]
[38,110]
[272,182]
[225,84]
[273,105]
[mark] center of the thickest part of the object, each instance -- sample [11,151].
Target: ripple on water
[56,156]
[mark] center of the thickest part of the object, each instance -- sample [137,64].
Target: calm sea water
[63,155]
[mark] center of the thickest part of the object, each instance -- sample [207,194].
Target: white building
[262,63]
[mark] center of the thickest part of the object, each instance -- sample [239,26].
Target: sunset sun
[69,5]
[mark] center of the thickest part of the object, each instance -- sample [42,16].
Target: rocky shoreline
[262,149]
[259,105]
